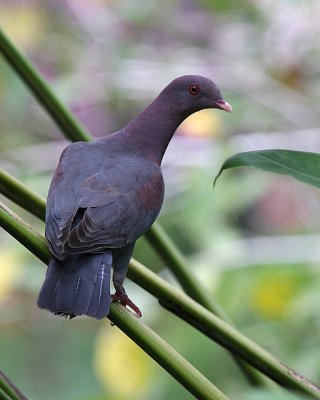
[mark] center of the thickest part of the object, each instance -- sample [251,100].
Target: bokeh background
[253,241]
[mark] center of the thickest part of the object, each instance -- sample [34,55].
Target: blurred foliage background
[253,241]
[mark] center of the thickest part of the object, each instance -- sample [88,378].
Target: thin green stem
[4,395]
[164,355]
[24,233]
[219,331]
[187,309]
[58,112]
[177,263]
[8,390]
[21,195]
[149,341]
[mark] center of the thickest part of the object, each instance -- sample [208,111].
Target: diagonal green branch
[175,260]
[22,195]
[73,130]
[59,113]
[219,331]
[148,340]
[183,306]
[164,355]
[4,395]
[24,233]
[8,391]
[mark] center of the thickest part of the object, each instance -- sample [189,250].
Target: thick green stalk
[186,308]
[72,129]
[149,341]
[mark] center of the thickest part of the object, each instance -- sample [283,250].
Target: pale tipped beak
[223,105]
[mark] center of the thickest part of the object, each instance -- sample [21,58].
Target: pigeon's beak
[223,105]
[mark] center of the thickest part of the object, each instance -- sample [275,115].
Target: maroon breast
[150,195]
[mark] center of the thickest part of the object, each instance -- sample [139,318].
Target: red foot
[122,297]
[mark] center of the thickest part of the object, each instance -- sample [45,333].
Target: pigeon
[107,193]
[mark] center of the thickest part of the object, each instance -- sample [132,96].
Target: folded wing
[94,205]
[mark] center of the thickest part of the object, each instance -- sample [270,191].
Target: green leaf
[301,165]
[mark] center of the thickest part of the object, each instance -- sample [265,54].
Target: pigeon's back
[117,193]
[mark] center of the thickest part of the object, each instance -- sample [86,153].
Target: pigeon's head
[192,93]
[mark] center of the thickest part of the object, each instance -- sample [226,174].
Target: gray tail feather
[79,285]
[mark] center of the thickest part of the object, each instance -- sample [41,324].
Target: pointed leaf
[301,165]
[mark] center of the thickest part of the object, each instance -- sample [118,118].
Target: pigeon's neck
[151,131]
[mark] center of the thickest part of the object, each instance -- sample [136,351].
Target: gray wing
[94,204]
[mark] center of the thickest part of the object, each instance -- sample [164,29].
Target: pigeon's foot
[121,296]
[65,315]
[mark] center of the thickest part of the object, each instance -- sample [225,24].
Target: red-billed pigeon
[107,193]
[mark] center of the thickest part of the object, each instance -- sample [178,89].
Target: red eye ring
[194,89]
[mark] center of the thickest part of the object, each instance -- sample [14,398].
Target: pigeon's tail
[79,285]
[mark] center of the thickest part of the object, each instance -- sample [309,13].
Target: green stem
[218,330]
[8,390]
[164,355]
[186,308]
[149,341]
[177,263]
[24,233]
[21,195]
[58,112]
[4,395]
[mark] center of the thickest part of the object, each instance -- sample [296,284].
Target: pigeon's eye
[194,89]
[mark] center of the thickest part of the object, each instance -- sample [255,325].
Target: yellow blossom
[204,123]
[272,295]
[122,367]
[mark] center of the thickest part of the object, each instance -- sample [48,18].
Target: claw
[121,296]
